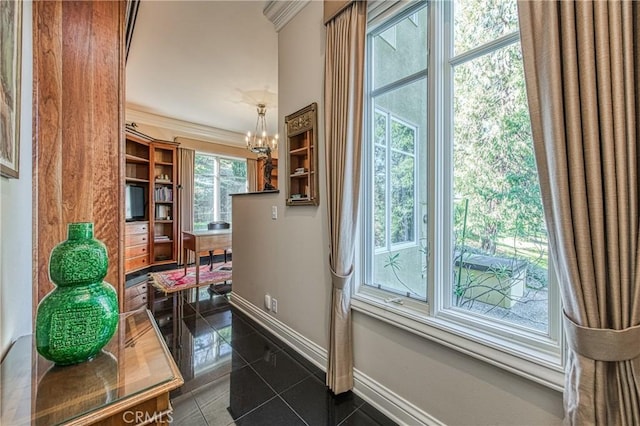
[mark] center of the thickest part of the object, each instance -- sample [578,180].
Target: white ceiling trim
[185,128]
[280,12]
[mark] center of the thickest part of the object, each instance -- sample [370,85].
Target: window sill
[536,365]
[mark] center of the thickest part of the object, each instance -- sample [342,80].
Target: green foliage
[494,161]
[395,149]
[213,174]
[498,209]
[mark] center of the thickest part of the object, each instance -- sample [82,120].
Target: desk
[132,376]
[198,241]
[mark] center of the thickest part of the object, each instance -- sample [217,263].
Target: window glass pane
[233,179]
[500,254]
[403,136]
[389,36]
[406,54]
[379,194]
[380,128]
[215,179]
[380,179]
[480,21]
[203,209]
[402,198]
[399,190]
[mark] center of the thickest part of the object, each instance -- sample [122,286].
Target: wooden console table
[127,383]
[198,241]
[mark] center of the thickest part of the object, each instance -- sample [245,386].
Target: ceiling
[204,62]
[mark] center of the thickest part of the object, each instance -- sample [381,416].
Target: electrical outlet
[274,212]
[274,305]
[267,302]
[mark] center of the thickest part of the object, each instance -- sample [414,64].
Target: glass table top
[134,364]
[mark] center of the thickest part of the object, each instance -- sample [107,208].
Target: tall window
[453,225]
[396,157]
[500,239]
[215,178]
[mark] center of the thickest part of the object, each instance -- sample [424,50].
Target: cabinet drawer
[136,263]
[136,290]
[136,228]
[137,302]
[135,240]
[134,251]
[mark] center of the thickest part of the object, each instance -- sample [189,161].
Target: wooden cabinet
[136,246]
[135,296]
[302,157]
[150,202]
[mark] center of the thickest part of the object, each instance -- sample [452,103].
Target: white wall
[15,215]
[287,258]
[451,387]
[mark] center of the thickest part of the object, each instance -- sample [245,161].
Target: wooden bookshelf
[151,164]
[302,157]
[165,175]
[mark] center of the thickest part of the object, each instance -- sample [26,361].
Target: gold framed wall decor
[302,157]
[10,79]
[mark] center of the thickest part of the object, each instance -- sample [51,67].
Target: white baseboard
[383,399]
[390,403]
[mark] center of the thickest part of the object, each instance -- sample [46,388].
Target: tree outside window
[452,205]
[214,179]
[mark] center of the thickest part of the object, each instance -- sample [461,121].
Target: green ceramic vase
[79,317]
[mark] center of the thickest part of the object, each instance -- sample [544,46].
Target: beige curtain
[333,7]
[252,174]
[186,175]
[343,100]
[581,68]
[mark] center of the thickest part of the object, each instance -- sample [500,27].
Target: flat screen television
[134,202]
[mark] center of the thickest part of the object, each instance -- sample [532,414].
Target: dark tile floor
[236,372]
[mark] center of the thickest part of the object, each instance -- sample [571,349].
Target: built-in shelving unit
[164,201]
[150,235]
[302,157]
[136,231]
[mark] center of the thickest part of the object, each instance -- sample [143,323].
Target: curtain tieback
[603,344]
[339,281]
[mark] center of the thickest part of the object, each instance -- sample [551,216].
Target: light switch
[274,212]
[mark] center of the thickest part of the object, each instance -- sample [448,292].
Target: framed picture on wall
[10,75]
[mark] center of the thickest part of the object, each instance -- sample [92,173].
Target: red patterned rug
[175,279]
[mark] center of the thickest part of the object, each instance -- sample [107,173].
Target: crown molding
[280,12]
[185,128]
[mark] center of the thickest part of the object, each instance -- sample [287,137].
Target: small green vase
[79,317]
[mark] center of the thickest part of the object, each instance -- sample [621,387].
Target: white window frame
[390,246]
[529,354]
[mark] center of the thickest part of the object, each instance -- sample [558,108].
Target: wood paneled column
[78,122]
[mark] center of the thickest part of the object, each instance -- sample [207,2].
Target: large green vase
[78,318]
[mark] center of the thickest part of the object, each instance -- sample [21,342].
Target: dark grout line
[255,408]
[291,408]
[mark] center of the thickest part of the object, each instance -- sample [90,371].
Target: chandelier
[262,144]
